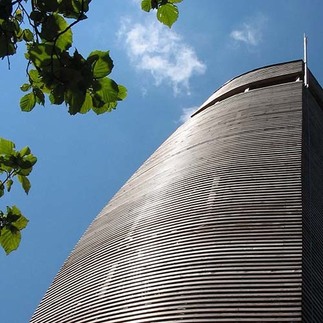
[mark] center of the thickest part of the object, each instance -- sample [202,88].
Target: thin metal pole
[305,62]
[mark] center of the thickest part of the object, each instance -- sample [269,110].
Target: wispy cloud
[251,31]
[163,53]
[186,114]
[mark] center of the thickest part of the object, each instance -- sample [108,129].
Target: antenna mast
[305,62]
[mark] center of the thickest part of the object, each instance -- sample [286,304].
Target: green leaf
[25,151]
[73,8]
[34,76]
[39,95]
[19,33]
[12,215]
[6,46]
[25,87]
[18,15]
[31,159]
[87,104]
[28,35]
[26,162]
[108,107]
[47,5]
[37,16]
[8,162]
[20,222]
[57,94]
[102,65]
[27,102]
[75,99]
[10,235]
[146,5]
[40,55]
[6,146]
[55,28]
[25,183]
[106,90]
[9,184]
[122,94]
[10,239]
[24,172]
[167,14]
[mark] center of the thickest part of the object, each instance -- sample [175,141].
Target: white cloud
[160,51]
[246,35]
[251,32]
[186,114]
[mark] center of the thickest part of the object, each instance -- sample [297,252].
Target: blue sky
[83,160]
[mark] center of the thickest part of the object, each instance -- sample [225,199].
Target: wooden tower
[223,223]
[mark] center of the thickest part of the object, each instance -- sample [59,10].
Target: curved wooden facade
[211,228]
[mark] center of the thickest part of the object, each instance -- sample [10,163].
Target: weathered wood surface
[209,229]
[261,77]
[312,161]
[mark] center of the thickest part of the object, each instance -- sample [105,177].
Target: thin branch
[54,51]
[71,25]
[9,176]
[31,23]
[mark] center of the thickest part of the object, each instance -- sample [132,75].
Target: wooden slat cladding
[209,229]
[271,75]
[312,207]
